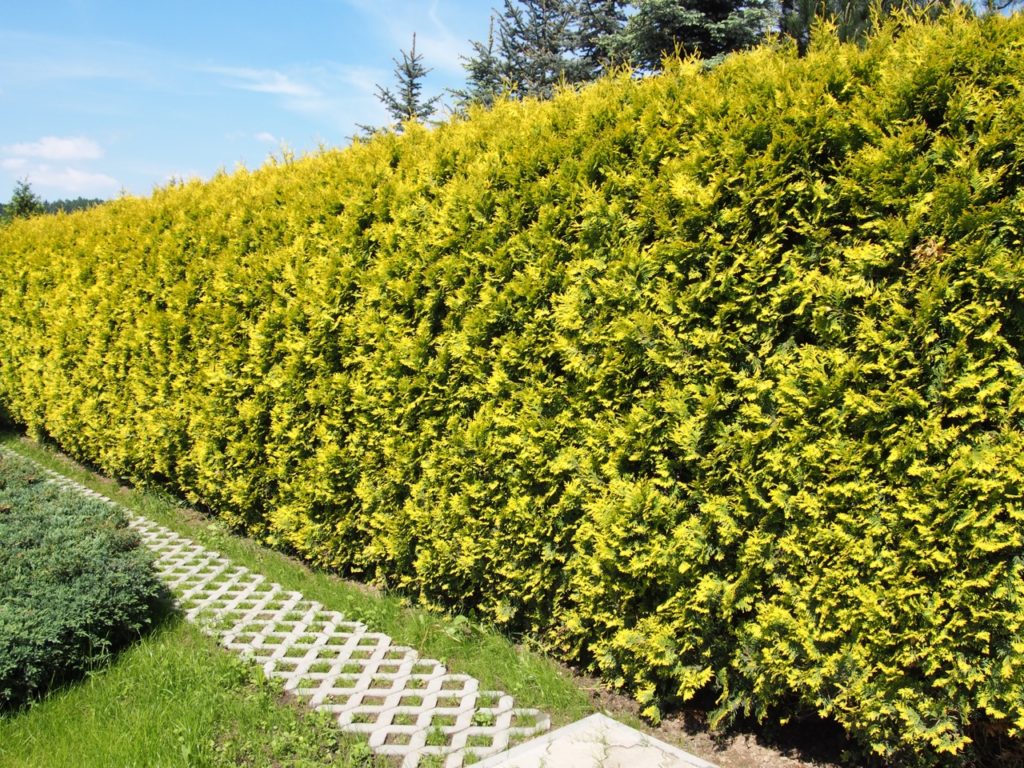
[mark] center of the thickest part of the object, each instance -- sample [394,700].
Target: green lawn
[177,699]
[174,699]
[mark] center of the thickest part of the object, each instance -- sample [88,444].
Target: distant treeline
[78,204]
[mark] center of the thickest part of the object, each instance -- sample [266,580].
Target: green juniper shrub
[75,586]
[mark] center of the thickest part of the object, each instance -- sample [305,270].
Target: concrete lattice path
[408,706]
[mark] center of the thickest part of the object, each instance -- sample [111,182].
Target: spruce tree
[487,77]
[708,28]
[537,40]
[24,202]
[534,45]
[407,102]
[598,22]
[796,18]
[533,51]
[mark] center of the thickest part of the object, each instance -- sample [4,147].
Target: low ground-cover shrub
[711,380]
[75,586]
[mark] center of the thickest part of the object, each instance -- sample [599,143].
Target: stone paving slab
[595,742]
[408,707]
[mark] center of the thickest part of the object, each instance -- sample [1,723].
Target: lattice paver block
[408,706]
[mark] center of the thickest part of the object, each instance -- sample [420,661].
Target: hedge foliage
[74,584]
[713,381]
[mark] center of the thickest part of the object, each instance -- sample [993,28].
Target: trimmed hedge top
[74,584]
[712,380]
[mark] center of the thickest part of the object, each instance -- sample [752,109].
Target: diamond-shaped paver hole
[442,721]
[523,720]
[345,681]
[483,719]
[276,638]
[284,666]
[436,738]
[448,702]
[398,739]
[328,656]
[336,700]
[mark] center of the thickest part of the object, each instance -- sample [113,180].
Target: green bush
[74,584]
[711,380]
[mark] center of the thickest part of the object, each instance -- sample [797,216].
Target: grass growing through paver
[175,699]
[465,647]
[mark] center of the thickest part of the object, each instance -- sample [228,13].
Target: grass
[175,699]
[463,646]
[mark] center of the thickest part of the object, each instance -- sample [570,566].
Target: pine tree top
[406,102]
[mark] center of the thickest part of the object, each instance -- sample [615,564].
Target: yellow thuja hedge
[711,380]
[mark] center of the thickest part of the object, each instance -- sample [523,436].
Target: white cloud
[73,181]
[441,46]
[435,40]
[338,93]
[363,79]
[51,165]
[265,81]
[56,148]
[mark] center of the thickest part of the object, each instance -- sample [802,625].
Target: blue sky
[99,97]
